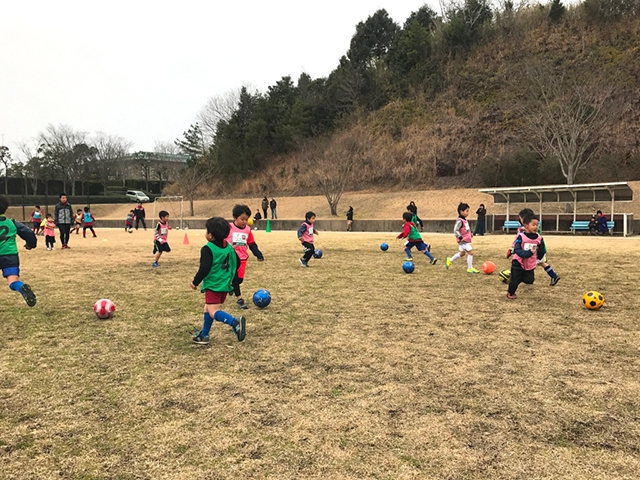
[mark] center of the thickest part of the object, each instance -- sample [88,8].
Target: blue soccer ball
[261,298]
[408,267]
[317,253]
[384,247]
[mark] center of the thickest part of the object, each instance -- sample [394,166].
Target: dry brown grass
[356,370]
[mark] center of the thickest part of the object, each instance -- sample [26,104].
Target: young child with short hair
[128,223]
[241,239]
[36,219]
[528,249]
[49,230]
[555,278]
[88,219]
[464,237]
[77,221]
[160,237]
[218,266]
[9,260]
[305,236]
[410,232]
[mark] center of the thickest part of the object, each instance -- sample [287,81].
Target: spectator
[63,218]
[481,223]
[413,209]
[593,226]
[349,219]
[602,222]
[273,206]
[256,217]
[265,207]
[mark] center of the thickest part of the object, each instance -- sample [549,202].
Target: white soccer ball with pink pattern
[104,308]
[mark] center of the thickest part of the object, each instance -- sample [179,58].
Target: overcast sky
[143,70]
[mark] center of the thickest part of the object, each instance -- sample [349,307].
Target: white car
[137,196]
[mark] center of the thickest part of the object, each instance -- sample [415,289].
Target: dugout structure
[174,205]
[575,194]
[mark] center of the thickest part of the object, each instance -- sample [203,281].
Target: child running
[414,239]
[49,230]
[305,236]
[463,237]
[218,266]
[77,221]
[160,237]
[36,219]
[527,249]
[128,223]
[555,278]
[88,220]
[241,239]
[9,260]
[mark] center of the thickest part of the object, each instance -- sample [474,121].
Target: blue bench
[584,225]
[511,224]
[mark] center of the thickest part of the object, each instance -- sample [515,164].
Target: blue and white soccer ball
[384,247]
[261,298]
[408,267]
[317,253]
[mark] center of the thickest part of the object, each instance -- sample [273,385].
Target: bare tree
[567,118]
[331,163]
[63,147]
[199,172]
[5,159]
[110,149]
[218,108]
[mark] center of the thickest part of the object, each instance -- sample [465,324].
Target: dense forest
[487,94]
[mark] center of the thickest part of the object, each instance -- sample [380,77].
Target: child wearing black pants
[527,250]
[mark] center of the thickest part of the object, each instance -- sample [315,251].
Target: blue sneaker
[155,264]
[200,340]
[240,330]
[304,263]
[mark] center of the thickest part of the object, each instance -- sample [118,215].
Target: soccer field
[356,369]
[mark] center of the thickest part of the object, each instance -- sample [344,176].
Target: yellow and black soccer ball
[505,276]
[593,300]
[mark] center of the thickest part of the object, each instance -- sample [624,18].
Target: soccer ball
[104,308]
[130,230]
[250,222]
[261,298]
[593,300]
[488,267]
[317,253]
[384,247]
[408,267]
[505,276]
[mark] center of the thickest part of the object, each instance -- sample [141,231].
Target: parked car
[137,196]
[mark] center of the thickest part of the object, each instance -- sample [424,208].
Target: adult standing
[481,223]
[140,215]
[265,207]
[349,219]
[414,209]
[63,218]
[273,206]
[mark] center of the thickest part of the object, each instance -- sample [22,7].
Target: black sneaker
[242,304]
[28,295]
[434,261]
[201,340]
[240,330]
[555,280]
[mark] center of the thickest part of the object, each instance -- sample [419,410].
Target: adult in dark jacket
[602,222]
[63,218]
[481,223]
[349,219]
[140,215]
[265,207]
[273,205]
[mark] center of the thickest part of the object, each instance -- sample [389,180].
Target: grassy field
[356,370]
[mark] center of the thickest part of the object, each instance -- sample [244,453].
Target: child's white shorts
[465,247]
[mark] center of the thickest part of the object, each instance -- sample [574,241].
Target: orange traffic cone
[186,240]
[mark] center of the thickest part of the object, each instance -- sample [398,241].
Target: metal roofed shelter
[587,192]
